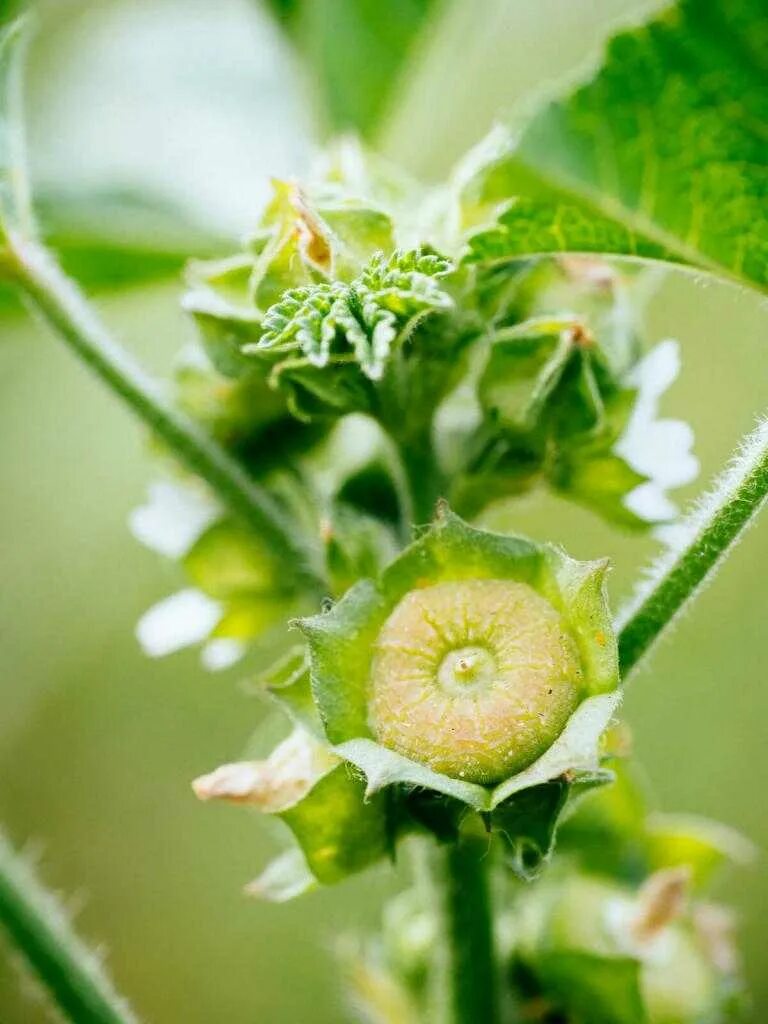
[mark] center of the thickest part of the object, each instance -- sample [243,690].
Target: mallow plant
[381,370]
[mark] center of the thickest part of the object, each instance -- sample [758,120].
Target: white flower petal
[173,518]
[661,450]
[222,653]
[649,502]
[183,619]
[657,370]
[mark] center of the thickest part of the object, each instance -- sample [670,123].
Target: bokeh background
[197,104]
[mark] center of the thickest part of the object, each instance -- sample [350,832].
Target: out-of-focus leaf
[354,51]
[662,154]
[597,989]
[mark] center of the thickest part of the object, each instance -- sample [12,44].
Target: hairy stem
[61,304]
[466,979]
[705,537]
[72,975]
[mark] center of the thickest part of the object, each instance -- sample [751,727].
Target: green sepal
[574,756]
[528,820]
[594,476]
[525,365]
[234,410]
[286,682]
[357,231]
[553,409]
[357,545]
[220,299]
[315,393]
[339,643]
[338,831]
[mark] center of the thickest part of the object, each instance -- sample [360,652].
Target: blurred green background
[199,104]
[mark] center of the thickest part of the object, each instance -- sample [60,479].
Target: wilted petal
[183,619]
[640,925]
[661,901]
[173,517]
[286,776]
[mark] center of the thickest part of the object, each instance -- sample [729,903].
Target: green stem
[706,536]
[466,981]
[425,481]
[72,975]
[61,304]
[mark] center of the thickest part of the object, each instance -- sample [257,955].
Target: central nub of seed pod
[474,678]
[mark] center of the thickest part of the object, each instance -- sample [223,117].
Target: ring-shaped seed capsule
[474,678]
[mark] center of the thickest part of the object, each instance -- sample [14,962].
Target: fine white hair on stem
[697,546]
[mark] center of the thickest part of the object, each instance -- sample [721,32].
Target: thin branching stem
[62,305]
[72,975]
[703,541]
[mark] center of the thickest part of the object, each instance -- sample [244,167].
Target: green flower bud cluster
[324,314]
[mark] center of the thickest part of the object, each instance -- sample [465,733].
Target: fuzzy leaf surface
[661,155]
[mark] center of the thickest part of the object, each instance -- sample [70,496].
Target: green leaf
[355,51]
[220,299]
[600,990]
[698,843]
[661,155]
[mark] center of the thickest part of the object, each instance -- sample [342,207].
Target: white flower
[221,653]
[173,517]
[185,618]
[658,448]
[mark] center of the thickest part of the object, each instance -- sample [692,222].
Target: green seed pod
[474,678]
[479,667]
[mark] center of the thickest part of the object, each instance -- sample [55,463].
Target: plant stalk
[71,974]
[57,299]
[465,984]
[705,537]
[425,481]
